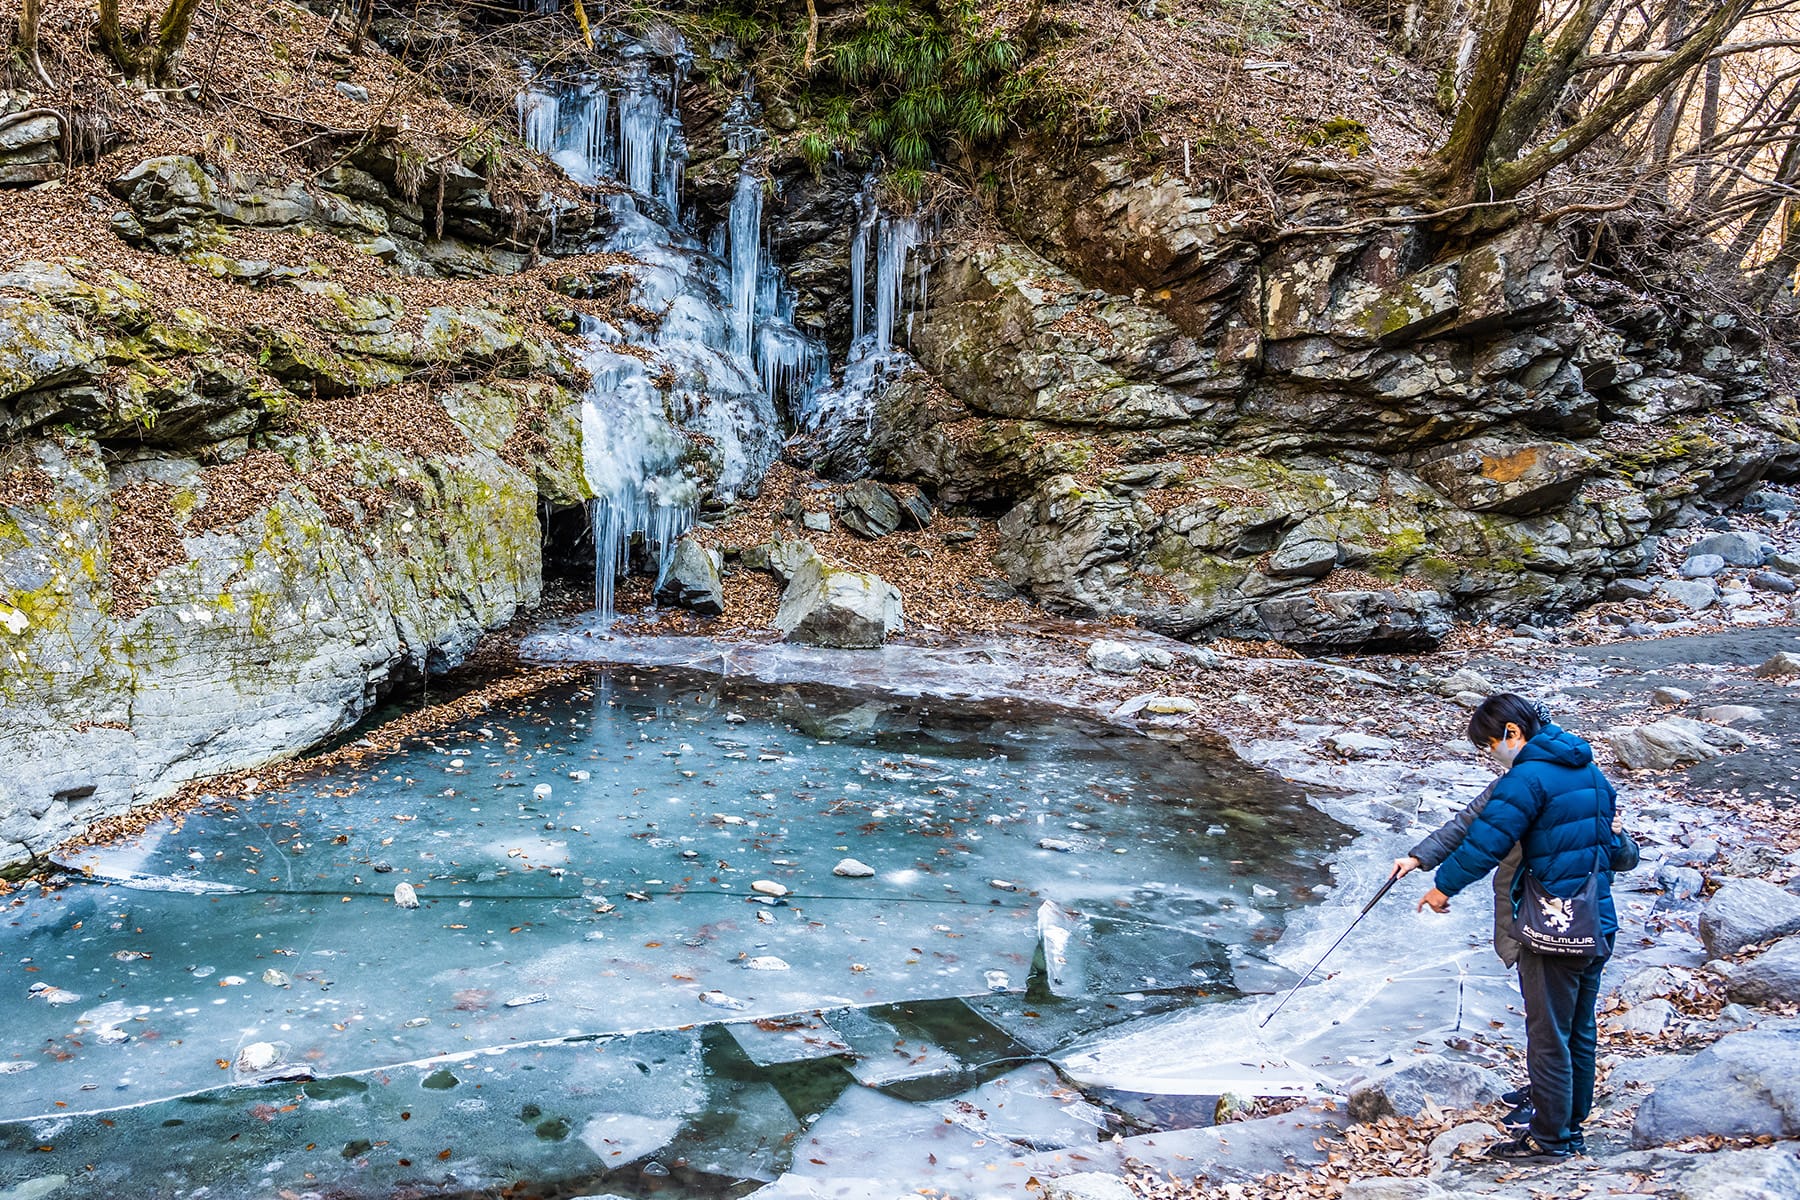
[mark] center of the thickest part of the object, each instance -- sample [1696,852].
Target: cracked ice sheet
[526,830]
[481,1120]
[1398,969]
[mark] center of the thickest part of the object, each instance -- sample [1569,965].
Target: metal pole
[1392,879]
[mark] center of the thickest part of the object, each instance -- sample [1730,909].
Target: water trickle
[841,416]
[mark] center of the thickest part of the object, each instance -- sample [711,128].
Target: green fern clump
[906,80]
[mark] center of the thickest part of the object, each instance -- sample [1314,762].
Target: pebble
[541,791]
[1004,885]
[275,978]
[765,962]
[405,896]
[1056,844]
[257,1056]
[418,1023]
[997,981]
[1670,696]
[721,1000]
[851,868]
[533,998]
[768,887]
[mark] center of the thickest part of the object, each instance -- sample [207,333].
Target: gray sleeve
[1442,842]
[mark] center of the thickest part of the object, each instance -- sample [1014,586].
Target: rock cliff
[232,515]
[1339,440]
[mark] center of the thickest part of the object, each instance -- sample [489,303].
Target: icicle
[899,237]
[746,251]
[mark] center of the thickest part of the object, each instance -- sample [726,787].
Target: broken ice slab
[867,1135]
[1043,1024]
[1032,1107]
[1128,955]
[480,1121]
[746,1132]
[1457,1008]
[1061,948]
[619,1138]
[883,1054]
[1204,1051]
[796,1038]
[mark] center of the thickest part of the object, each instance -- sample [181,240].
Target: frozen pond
[632,966]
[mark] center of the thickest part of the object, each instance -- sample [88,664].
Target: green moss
[1401,547]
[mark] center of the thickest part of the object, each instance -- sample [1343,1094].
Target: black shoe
[1517,1097]
[1577,1144]
[1519,1117]
[1526,1148]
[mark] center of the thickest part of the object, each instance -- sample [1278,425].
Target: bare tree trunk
[107,30]
[1538,94]
[31,14]
[1668,113]
[1509,179]
[1751,231]
[1503,39]
[1709,128]
[171,39]
[1722,190]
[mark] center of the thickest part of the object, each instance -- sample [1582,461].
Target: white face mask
[1505,752]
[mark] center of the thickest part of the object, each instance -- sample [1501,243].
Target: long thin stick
[1391,881]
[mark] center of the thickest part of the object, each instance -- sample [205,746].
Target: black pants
[1560,992]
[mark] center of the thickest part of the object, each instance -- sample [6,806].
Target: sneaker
[1519,1117]
[1577,1144]
[1517,1097]
[1526,1148]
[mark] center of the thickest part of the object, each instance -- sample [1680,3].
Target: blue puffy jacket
[1557,806]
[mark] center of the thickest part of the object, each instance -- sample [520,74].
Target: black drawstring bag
[1549,924]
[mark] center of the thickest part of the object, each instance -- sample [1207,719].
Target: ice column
[746,259]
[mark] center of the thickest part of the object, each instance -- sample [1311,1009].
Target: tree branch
[1509,179]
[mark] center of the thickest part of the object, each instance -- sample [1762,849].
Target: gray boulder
[1702,566]
[1738,549]
[1493,475]
[1630,589]
[1321,621]
[1772,977]
[693,580]
[1769,581]
[846,610]
[869,509]
[1661,745]
[1692,594]
[1746,911]
[1402,1091]
[1744,1085]
[1762,1173]
[1779,666]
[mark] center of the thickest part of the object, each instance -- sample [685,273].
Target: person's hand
[1404,867]
[1618,823]
[1436,900]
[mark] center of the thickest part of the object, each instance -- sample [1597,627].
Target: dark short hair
[1491,717]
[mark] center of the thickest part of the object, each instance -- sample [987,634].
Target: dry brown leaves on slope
[1391,1146]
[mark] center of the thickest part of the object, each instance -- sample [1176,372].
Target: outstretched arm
[1502,821]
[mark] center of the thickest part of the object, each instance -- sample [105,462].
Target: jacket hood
[1553,744]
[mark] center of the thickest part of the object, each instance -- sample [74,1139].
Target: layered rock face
[221,540]
[1337,441]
